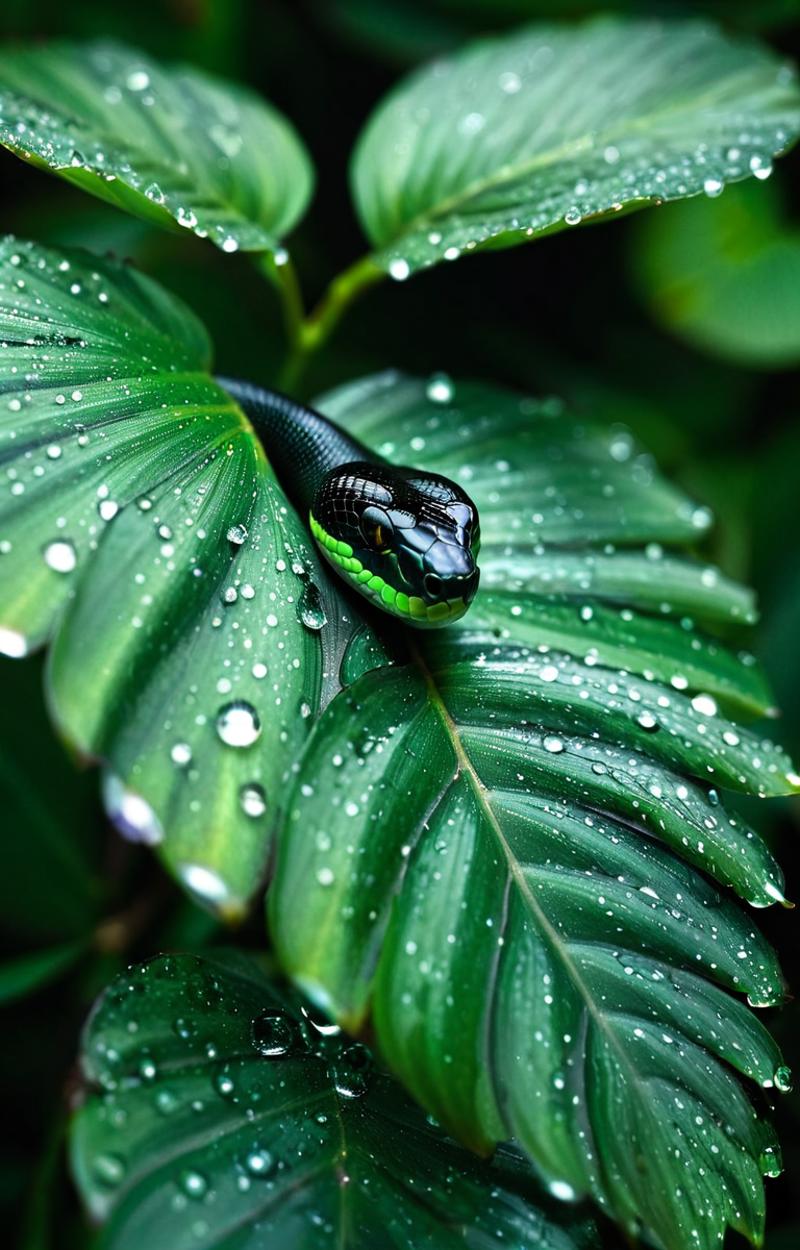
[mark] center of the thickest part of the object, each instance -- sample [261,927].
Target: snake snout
[450,573]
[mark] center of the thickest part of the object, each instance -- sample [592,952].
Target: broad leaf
[141,527]
[170,145]
[493,850]
[218,1115]
[551,126]
[725,276]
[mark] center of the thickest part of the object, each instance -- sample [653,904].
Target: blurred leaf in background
[724,274]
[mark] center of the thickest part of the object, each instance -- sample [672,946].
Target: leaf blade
[506,141]
[317,1113]
[174,146]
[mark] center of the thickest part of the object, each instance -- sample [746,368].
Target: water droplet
[132,815]
[237,534]
[138,80]
[12,644]
[253,799]
[260,1162]
[439,389]
[399,270]
[704,704]
[553,744]
[238,724]
[771,1161]
[509,82]
[783,1079]
[273,1034]
[109,1170]
[204,883]
[713,187]
[60,556]
[193,1183]
[647,721]
[310,609]
[181,754]
[561,1190]
[350,1072]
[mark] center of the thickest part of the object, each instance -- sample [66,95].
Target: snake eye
[377,529]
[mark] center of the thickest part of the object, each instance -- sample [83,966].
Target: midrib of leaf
[551,934]
[507,176]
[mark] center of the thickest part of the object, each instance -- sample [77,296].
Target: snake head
[405,539]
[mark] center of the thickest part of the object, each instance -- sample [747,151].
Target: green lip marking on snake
[404,538]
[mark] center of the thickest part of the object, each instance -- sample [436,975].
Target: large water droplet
[237,534]
[273,1034]
[238,724]
[350,1072]
[309,607]
[783,1079]
[60,556]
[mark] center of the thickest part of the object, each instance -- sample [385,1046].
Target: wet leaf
[725,276]
[552,126]
[492,851]
[142,529]
[172,145]
[218,1114]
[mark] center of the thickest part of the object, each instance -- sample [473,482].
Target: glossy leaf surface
[493,849]
[142,529]
[172,145]
[552,126]
[218,1115]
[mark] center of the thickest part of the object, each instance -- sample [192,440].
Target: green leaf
[170,145]
[551,126]
[27,973]
[218,1115]
[725,276]
[143,530]
[492,851]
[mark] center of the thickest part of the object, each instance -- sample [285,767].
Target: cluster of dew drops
[614,173]
[123,84]
[276,1036]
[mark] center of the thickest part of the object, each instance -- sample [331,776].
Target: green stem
[278,269]
[308,333]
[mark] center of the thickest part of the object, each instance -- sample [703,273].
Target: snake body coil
[405,539]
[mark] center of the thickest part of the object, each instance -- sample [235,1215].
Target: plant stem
[307,333]
[283,276]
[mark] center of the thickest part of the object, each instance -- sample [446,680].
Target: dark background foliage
[563,315]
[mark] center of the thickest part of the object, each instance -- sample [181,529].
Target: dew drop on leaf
[109,1170]
[238,724]
[783,1079]
[273,1034]
[60,556]
[310,609]
[253,799]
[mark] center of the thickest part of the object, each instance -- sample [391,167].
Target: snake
[404,538]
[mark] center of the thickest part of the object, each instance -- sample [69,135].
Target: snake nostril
[434,586]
